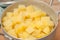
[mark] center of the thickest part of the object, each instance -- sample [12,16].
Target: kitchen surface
[56,7]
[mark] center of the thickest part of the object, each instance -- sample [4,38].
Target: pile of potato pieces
[27,21]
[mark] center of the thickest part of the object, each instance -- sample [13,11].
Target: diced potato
[36,19]
[21,8]
[8,16]
[46,30]
[7,23]
[45,18]
[35,14]
[19,28]
[27,14]
[21,17]
[29,38]
[4,18]
[12,33]
[46,21]
[28,22]
[40,35]
[30,8]
[30,29]
[24,35]
[16,12]
[17,19]
[51,24]
[38,13]
[36,33]
[39,24]
[14,20]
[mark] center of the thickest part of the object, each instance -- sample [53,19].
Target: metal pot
[43,6]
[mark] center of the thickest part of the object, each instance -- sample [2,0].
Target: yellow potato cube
[29,29]
[40,35]
[4,18]
[39,24]
[24,35]
[14,20]
[28,22]
[30,8]
[51,24]
[45,18]
[27,14]
[35,14]
[21,8]
[38,13]
[16,12]
[36,33]
[7,23]
[36,19]
[30,38]
[46,30]
[21,17]
[19,28]
[17,19]
[47,21]
[12,33]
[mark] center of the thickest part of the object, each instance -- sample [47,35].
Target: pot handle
[58,12]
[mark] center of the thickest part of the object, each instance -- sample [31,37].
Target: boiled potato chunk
[30,8]
[15,12]
[41,35]
[7,23]
[46,30]
[36,33]
[46,18]
[5,18]
[19,28]
[29,38]
[30,29]
[21,8]
[38,13]
[24,35]
[39,24]
[47,22]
